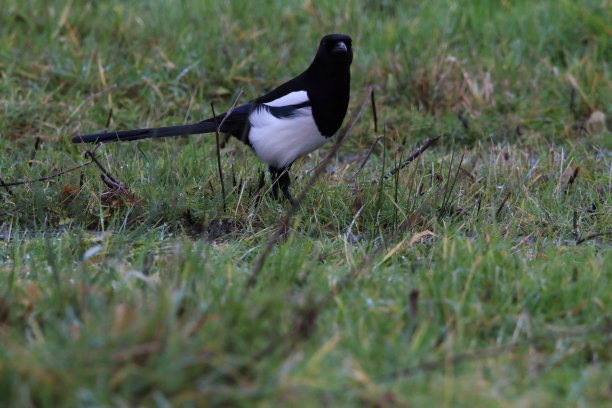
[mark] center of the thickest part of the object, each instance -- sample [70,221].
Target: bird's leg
[285,181]
[274,175]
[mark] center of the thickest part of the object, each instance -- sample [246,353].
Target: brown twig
[34,150]
[572,103]
[218,137]
[284,221]
[464,122]
[575,226]
[106,177]
[231,109]
[90,154]
[593,236]
[414,155]
[501,205]
[109,118]
[374,115]
[413,303]
[40,179]
[111,182]
[467,173]
[3,184]
[446,198]
[366,158]
[212,106]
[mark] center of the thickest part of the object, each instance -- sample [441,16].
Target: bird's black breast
[329,106]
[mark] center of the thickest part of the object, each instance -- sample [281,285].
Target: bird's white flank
[280,141]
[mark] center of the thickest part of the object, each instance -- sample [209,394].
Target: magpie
[281,126]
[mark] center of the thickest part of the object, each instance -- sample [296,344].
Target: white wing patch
[280,141]
[292,98]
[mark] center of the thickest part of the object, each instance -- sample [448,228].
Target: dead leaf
[596,123]
[420,237]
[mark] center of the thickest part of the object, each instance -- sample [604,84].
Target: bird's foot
[292,200]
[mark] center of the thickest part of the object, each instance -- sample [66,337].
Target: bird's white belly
[280,141]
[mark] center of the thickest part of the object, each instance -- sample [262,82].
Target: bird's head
[335,50]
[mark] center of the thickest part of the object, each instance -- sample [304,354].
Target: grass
[472,277]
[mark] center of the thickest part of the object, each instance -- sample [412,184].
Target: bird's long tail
[206,126]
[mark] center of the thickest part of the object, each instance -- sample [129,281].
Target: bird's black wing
[286,111]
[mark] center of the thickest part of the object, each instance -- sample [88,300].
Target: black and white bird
[283,125]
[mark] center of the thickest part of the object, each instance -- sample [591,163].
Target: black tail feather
[137,134]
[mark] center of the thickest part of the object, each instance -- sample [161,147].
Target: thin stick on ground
[34,150]
[259,263]
[575,226]
[90,154]
[109,118]
[413,156]
[217,137]
[45,178]
[231,109]
[593,236]
[374,115]
[3,184]
[218,143]
[450,185]
[501,205]
[106,177]
[366,158]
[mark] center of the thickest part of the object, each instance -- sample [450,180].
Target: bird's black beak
[339,48]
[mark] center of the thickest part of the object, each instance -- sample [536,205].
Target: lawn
[479,274]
